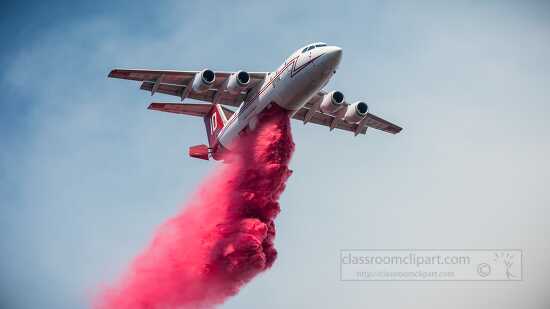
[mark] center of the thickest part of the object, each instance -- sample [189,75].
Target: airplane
[296,86]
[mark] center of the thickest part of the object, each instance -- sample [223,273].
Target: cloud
[87,173]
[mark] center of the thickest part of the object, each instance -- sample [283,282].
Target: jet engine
[356,112]
[237,82]
[203,80]
[332,102]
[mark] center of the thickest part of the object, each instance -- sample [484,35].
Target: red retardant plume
[224,235]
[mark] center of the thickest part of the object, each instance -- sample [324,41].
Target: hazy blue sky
[87,173]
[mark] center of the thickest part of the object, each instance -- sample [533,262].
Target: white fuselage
[302,75]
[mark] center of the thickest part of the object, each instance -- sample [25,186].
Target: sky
[87,172]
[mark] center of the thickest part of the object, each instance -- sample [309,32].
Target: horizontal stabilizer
[192,109]
[199,152]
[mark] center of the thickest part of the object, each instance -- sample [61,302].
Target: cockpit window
[310,47]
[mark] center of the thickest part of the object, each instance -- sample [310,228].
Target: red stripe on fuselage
[294,71]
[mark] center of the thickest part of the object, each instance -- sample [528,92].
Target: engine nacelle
[203,80]
[237,82]
[332,102]
[356,112]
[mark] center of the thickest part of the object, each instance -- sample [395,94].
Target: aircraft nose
[334,53]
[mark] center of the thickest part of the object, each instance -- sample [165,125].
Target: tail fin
[214,121]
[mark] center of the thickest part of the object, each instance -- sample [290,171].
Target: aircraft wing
[311,113]
[178,83]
